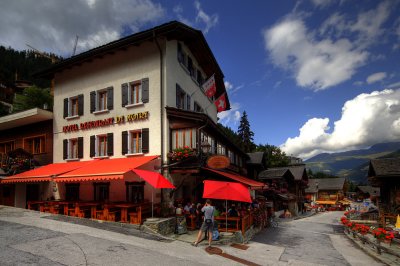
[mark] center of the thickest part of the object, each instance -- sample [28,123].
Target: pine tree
[245,134]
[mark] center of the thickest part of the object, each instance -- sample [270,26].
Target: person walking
[208,223]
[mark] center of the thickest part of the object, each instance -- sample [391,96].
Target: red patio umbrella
[226,191]
[155,179]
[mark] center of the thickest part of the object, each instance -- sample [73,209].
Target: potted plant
[181,153]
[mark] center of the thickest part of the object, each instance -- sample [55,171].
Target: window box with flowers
[383,235]
[181,153]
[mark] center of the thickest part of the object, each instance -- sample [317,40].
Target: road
[318,239]
[33,238]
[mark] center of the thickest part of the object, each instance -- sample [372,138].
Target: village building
[286,187]
[326,191]
[138,103]
[26,141]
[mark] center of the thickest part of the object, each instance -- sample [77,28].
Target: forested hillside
[21,65]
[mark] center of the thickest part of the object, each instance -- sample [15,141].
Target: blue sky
[313,75]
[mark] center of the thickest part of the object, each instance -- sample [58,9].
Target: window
[220,149]
[181,55]
[102,100]
[182,99]
[135,192]
[135,141]
[210,140]
[73,106]
[184,137]
[73,148]
[101,191]
[134,93]
[72,192]
[197,108]
[200,78]
[6,147]
[101,145]
[35,145]
[231,156]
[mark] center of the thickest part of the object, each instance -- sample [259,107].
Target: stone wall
[162,226]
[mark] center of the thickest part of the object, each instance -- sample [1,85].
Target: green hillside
[352,164]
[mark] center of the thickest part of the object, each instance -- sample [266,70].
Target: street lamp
[205,147]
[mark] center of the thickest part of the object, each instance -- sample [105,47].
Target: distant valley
[352,164]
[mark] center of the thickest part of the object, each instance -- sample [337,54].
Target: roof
[256,157]
[298,172]
[315,185]
[23,118]
[372,191]
[272,173]
[388,167]
[174,30]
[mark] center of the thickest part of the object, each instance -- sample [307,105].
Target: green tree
[231,135]
[275,156]
[33,97]
[245,134]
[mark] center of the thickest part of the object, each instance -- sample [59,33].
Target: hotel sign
[218,162]
[106,122]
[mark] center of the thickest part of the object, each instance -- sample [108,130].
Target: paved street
[317,239]
[32,238]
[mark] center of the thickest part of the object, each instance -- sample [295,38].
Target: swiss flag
[209,87]
[220,103]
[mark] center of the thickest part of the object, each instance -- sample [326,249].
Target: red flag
[220,103]
[209,87]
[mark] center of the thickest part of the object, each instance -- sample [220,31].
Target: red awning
[106,169]
[154,178]
[244,180]
[45,173]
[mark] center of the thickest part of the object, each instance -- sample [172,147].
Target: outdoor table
[36,202]
[235,219]
[92,206]
[124,209]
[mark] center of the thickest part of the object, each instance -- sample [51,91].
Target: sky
[312,75]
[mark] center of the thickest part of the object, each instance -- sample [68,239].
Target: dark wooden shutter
[110,144]
[92,101]
[65,107]
[92,146]
[80,147]
[124,93]
[65,149]
[110,98]
[145,90]
[178,94]
[188,100]
[80,104]
[145,140]
[124,142]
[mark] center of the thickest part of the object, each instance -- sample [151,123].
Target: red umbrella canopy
[226,191]
[153,178]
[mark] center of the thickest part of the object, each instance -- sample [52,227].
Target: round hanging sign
[218,162]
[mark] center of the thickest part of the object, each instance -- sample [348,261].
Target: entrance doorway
[32,192]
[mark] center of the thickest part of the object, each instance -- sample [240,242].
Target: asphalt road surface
[33,238]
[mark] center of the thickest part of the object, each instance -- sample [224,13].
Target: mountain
[352,164]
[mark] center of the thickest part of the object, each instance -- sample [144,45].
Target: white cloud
[315,64]
[210,21]
[376,77]
[231,116]
[366,120]
[51,26]
[394,85]
[358,83]
[228,85]
[333,53]
[232,89]
[322,3]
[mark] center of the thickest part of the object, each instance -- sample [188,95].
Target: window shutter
[92,101]
[178,94]
[92,146]
[80,147]
[80,104]
[65,107]
[124,92]
[110,144]
[145,140]
[145,90]
[188,102]
[110,98]
[124,142]
[65,149]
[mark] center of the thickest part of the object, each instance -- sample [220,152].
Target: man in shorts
[208,223]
